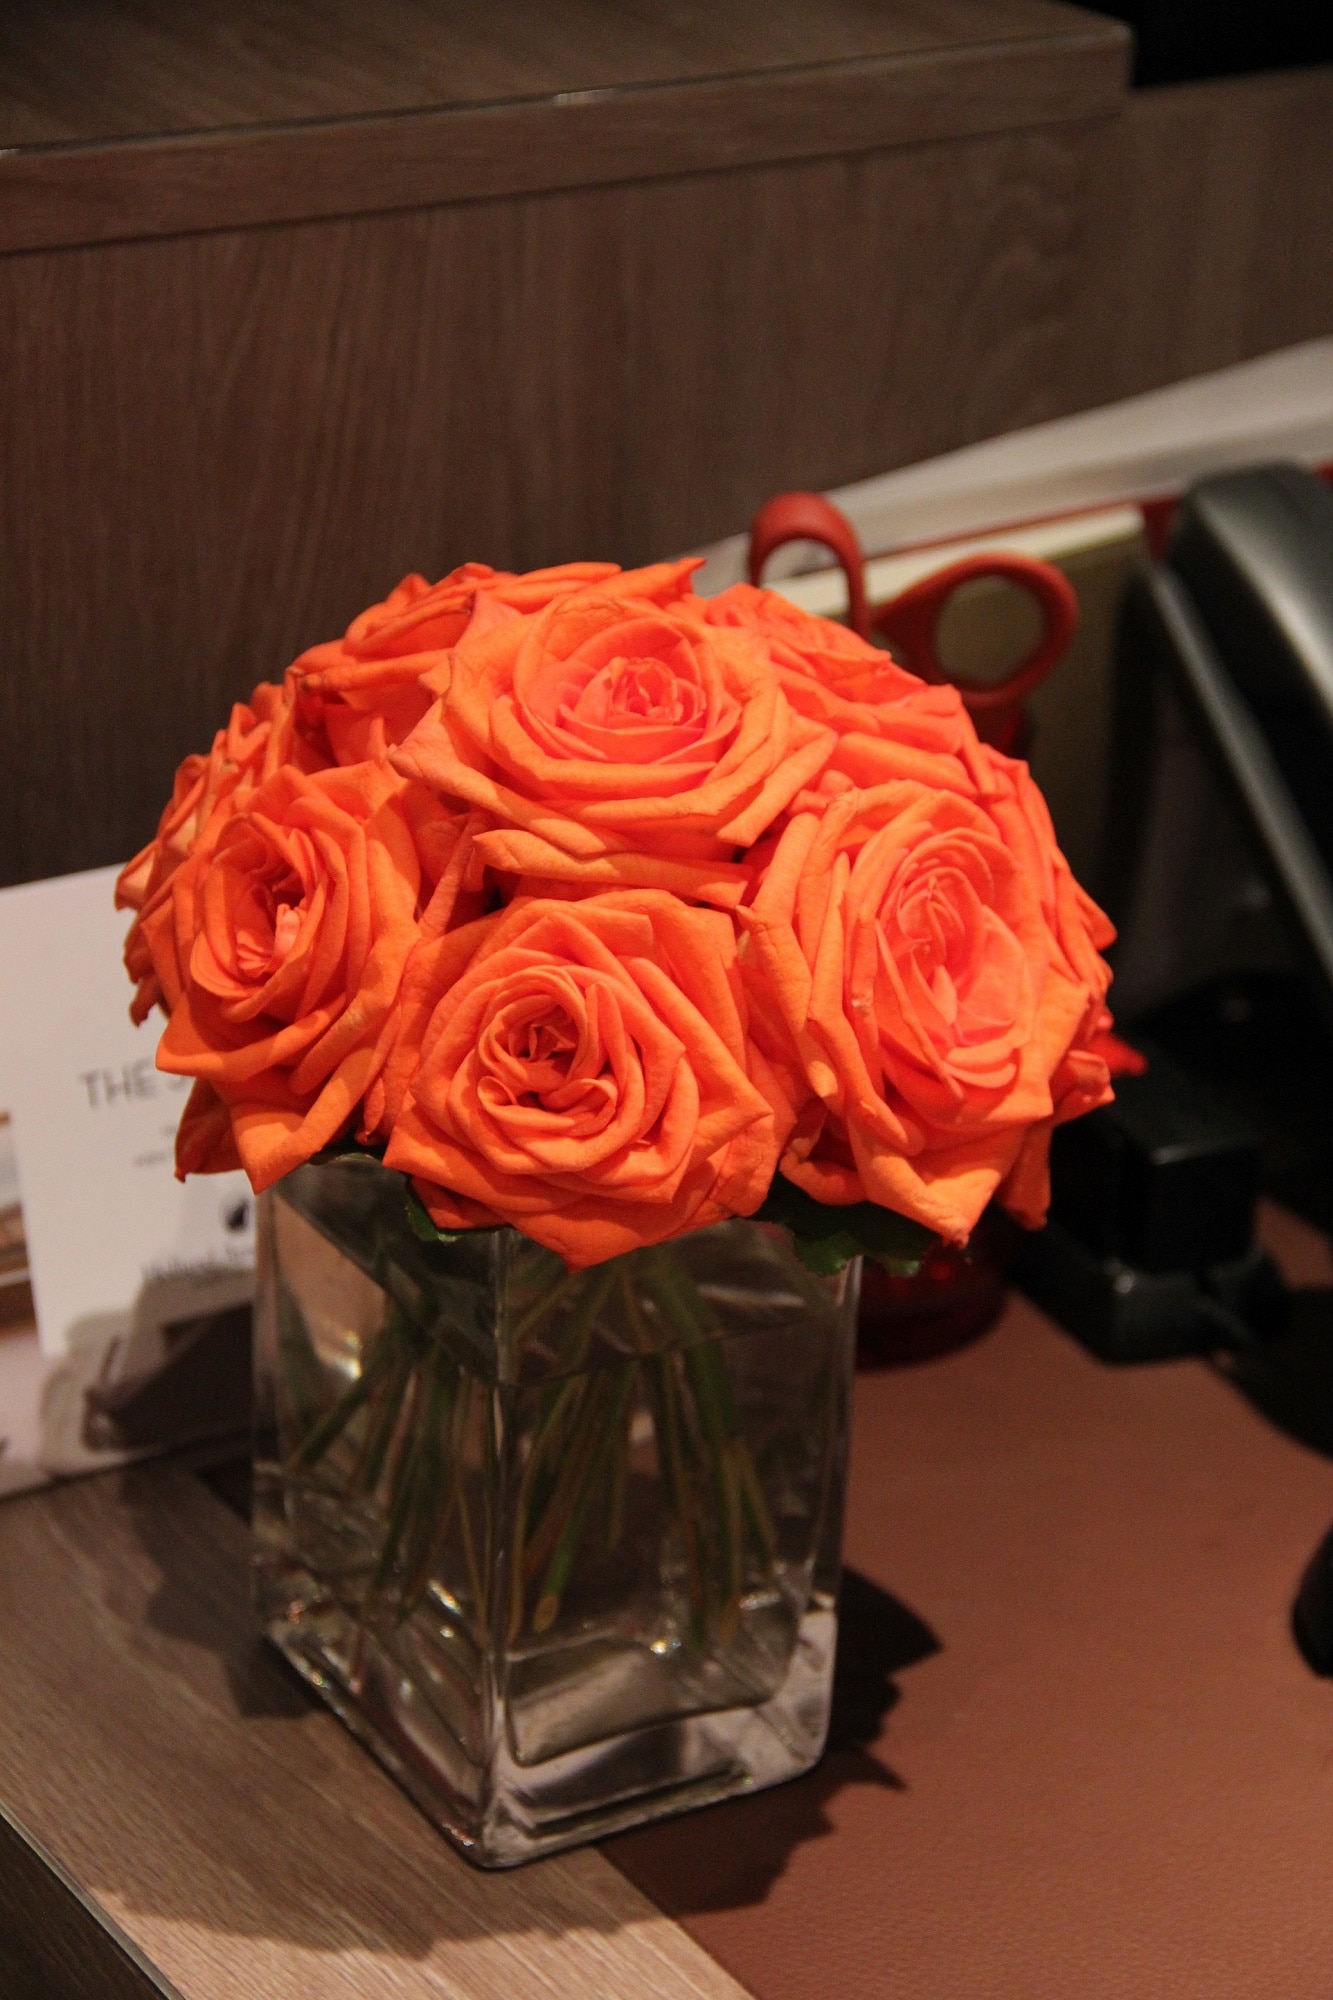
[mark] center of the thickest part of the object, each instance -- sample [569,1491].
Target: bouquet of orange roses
[608,912]
[584,905]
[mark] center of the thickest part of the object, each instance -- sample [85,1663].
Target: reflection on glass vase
[561,1548]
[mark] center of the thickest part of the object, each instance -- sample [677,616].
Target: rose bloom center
[933,921]
[965,973]
[268,923]
[537,1056]
[627,693]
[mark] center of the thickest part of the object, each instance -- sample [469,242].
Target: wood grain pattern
[237,1834]
[218,448]
[1209,229]
[1076,1751]
[50,197]
[132,68]
[56,1941]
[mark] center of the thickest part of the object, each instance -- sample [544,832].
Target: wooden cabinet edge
[60,197]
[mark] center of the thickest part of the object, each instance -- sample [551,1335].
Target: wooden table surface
[1091,1762]
[232,1829]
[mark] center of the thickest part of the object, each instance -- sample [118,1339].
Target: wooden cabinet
[297,296]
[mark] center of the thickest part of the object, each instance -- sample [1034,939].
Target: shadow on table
[728,1856]
[305,1840]
[207,1602]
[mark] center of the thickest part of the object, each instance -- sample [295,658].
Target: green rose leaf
[826,1238]
[345,1147]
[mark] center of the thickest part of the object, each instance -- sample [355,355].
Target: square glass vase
[562,1548]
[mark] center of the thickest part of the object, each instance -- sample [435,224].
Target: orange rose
[617,739]
[341,703]
[937,978]
[371,687]
[888,724]
[284,957]
[587,1076]
[258,739]
[1081,931]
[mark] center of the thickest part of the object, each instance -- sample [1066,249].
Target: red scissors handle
[809,517]
[909,622]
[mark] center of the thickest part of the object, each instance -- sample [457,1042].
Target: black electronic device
[1312,1613]
[1239,618]
[1150,1251]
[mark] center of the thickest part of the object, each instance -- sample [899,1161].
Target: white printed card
[125,1263]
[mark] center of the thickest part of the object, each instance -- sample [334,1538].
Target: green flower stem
[615,1511]
[331,1426]
[403,1482]
[385,1409]
[712,1368]
[462,1411]
[664,1400]
[563,1407]
[434,1477]
[557,1412]
[735,1481]
[489,1484]
[538,1314]
[595,1286]
[660,1375]
[568,1397]
[562,1561]
[583,1444]
[680,1300]
[412,1451]
[726,1485]
[417,1583]
[756,1506]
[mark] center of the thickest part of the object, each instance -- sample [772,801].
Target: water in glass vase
[562,1548]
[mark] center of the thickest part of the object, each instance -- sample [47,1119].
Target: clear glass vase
[561,1548]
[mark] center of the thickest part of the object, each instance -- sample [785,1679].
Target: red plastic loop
[909,623]
[809,517]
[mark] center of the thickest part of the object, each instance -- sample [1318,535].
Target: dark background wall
[1182,41]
